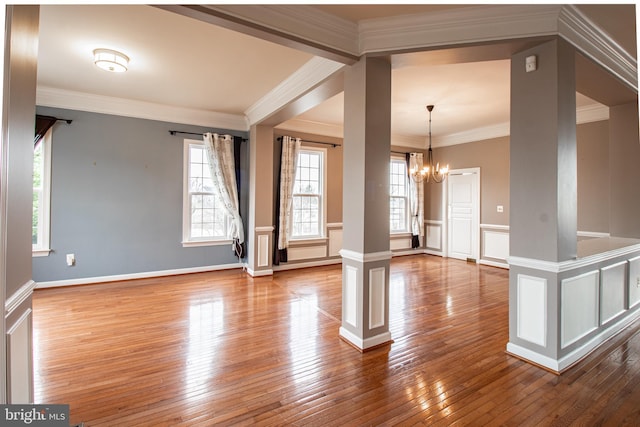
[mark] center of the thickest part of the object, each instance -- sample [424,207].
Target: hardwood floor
[223,348]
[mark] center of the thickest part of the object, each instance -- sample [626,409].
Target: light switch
[71,260]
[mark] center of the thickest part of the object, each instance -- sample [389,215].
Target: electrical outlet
[638,282]
[500,208]
[71,260]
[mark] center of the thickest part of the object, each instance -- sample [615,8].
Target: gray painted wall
[116,198]
[625,176]
[593,176]
[492,157]
[367,136]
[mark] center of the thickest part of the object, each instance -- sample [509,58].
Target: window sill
[400,235]
[197,243]
[40,252]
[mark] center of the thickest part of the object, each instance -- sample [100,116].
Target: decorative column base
[365,299]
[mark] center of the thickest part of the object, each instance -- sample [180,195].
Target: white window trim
[187,242]
[44,248]
[323,200]
[407,207]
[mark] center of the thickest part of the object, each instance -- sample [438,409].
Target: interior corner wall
[624,156]
[593,176]
[116,198]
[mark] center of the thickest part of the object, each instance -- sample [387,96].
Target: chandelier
[430,173]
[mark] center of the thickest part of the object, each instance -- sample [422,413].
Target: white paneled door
[463,195]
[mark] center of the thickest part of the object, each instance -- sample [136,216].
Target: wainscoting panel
[399,244]
[634,282]
[19,363]
[612,291]
[298,253]
[434,236]
[532,309]
[579,307]
[351,295]
[335,241]
[263,250]
[377,287]
[495,244]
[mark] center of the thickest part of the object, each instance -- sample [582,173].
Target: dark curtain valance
[43,124]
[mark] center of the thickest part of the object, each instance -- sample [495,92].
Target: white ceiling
[182,62]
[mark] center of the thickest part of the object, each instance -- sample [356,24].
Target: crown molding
[60,98]
[581,32]
[473,135]
[307,77]
[457,26]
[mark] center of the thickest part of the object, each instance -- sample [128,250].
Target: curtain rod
[173,132]
[65,120]
[334,145]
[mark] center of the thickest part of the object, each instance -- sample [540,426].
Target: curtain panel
[220,153]
[416,199]
[288,166]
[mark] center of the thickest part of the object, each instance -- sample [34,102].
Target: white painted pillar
[260,228]
[365,254]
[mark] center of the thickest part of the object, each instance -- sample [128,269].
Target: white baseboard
[366,343]
[259,273]
[294,266]
[143,275]
[494,263]
[532,356]
[433,252]
[407,252]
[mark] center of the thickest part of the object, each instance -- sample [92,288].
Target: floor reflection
[303,334]
[206,322]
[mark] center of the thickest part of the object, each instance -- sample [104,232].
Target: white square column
[365,254]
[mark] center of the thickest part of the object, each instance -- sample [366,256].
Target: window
[399,196]
[307,213]
[204,219]
[41,196]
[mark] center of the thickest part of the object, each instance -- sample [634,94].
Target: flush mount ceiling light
[111,60]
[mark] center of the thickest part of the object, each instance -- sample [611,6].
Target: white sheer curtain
[219,151]
[288,165]
[416,199]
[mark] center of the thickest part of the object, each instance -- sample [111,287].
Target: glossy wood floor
[222,348]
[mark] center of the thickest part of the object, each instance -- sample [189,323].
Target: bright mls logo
[34,415]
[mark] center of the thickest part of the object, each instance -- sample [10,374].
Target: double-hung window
[205,221]
[399,196]
[41,196]
[308,211]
